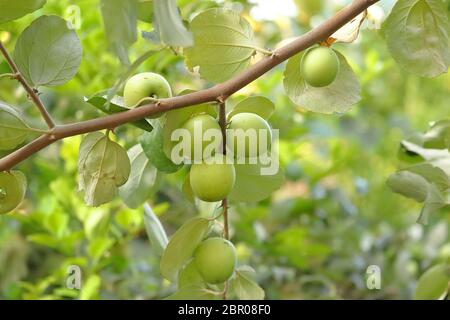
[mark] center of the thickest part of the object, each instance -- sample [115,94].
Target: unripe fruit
[144,85]
[197,126]
[190,276]
[250,131]
[320,66]
[215,259]
[213,179]
[12,190]
[433,283]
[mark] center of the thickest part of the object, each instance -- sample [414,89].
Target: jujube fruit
[433,283]
[320,66]
[145,85]
[213,180]
[258,127]
[203,123]
[215,259]
[12,190]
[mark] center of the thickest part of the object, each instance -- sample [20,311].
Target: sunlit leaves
[152,144]
[11,10]
[155,230]
[434,283]
[48,52]
[337,97]
[13,130]
[143,179]
[182,246]
[103,166]
[120,20]
[245,287]
[224,44]
[169,24]
[251,185]
[417,34]
[256,104]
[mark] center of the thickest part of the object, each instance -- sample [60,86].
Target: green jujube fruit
[245,132]
[145,85]
[213,179]
[320,66]
[12,190]
[215,259]
[197,126]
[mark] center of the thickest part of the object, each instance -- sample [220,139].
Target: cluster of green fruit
[207,169]
[214,262]
[13,186]
[320,66]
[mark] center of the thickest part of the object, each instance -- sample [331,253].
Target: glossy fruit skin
[206,122]
[433,283]
[12,190]
[215,259]
[320,66]
[249,121]
[190,276]
[212,181]
[143,85]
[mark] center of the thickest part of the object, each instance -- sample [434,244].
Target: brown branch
[31,93]
[217,93]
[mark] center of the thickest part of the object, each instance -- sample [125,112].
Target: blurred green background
[314,238]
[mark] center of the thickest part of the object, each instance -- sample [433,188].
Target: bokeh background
[313,239]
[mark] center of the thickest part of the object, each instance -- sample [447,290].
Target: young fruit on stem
[12,190]
[215,259]
[213,179]
[320,66]
[197,127]
[248,135]
[145,85]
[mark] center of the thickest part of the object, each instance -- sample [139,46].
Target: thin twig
[217,93]
[31,93]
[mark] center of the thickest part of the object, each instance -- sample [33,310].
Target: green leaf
[251,186]
[120,19]
[48,52]
[257,104]
[409,184]
[155,230]
[145,10]
[438,136]
[224,44]
[12,10]
[116,105]
[103,166]
[187,189]
[432,174]
[434,283]
[175,119]
[169,24]
[98,247]
[153,145]
[194,292]
[417,34]
[338,97]
[91,288]
[434,201]
[182,245]
[13,131]
[143,179]
[245,287]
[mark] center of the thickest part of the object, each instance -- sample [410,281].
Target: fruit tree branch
[217,93]
[32,94]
